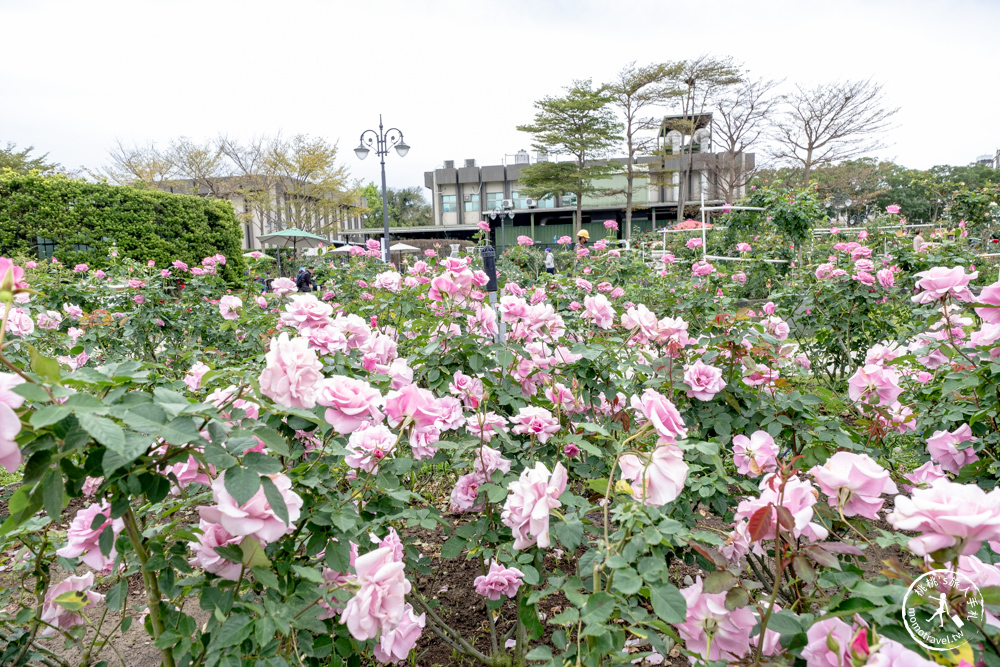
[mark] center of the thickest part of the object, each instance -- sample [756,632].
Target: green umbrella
[292,237]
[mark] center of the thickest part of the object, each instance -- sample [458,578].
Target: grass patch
[10,477]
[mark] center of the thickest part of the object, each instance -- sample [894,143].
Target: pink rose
[943,450]
[925,475]
[282,286]
[499,581]
[892,209]
[179,265]
[59,617]
[368,446]
[740,278]
[525,240]
[193,377]
[81,268]
[693,243]
[395,643]
[229,307]
[293,373]
[598,309]
[705,381]
[829,644]
[743,247]
[82,539]
[465,493]
[380,603]
[658,410]
[939,283]
[485,426]
[702,268]
[798,498]
[659,481]
[710,629]
[854,482]
[529,501]
[564,240]
[305,311]
[413,402]
[991,297]
[948,515]
[755,455]
[254,517]
[214,535]
[350,403]
[886,278]
[872,379]
[483,225]
[864,278]
[535,421]
[610,224]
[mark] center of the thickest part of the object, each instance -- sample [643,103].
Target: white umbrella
[343,248]
[402,247]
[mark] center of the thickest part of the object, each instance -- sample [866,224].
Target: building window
[472,203]
[569,200]
[547,202]
[493,200]
[520,200]
[448,203]
[46,248]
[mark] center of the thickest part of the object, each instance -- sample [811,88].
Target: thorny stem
[153,595]
[40,586]
[465,647]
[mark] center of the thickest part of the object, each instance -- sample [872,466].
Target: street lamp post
[502,212]
[382,141]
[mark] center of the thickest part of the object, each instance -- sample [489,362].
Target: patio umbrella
[292,238]
[402,247]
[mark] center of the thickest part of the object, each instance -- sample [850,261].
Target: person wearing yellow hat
[582,237]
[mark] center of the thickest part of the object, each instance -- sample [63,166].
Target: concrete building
[463,195]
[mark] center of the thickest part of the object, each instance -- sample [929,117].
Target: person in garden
[304,281]
[918,241]
[550,261]
[582,237]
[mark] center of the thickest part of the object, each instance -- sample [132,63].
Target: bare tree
[635,92]
[205,165]
[829,123]
[738,122]
[143,164]
[701,81]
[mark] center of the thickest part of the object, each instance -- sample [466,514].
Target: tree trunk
[578,223]
[807,169]
[629,180]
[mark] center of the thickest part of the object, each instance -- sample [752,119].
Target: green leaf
[117,595]
[73,601]
[668,603]
[52,494]
[784,622]
[32,392]
[275,499]
[253,554]
[627,581]
[50,414]
[103,431]
[569,532]
[274,441]
[262,464]
[494,493]
[599,608]
[241,484]
[528,614]
[540,653]
[233,631]
[266,577]
[452,547]
[47,368]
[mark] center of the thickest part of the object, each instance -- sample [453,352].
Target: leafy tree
[21,161]
[406,207]
[700,81]
[634,92]
[579,124]
[830,123]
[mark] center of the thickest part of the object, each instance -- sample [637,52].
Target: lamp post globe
[382,141]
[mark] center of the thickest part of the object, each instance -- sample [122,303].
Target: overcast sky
[457,77]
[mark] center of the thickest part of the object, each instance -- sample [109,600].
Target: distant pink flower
[991,297]
[659,481]
[492,424]
[282,286]
[535,421]
[598,309]
[483,225]
[498,582]
[658,410]
[57,616]
[415,403]
[229,307]
[947,515]
[892,209]
[939,282]
[99,275]
[530,499]
[873,379]
[694,243]
[193,377]
[740,277]
[854,482]
[81,268]
[943,449]
[570,450]
[610,224]
[710,629]
[755,455]
[179,265]
[380,603]
[798,498]
[31,265]
[350,403]
[305,311]
[702,268]
[525,240]
[292,374]
[465,493]
[469,389]
[886,278]
[769,308]
[83,540]
[743,247]
[925,475]
[255,517]
[396,642]
[564,240]
[136,284]
[864,278]
[367,447]
[704,381]
[828,644]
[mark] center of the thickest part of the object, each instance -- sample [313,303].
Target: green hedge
[84,220]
